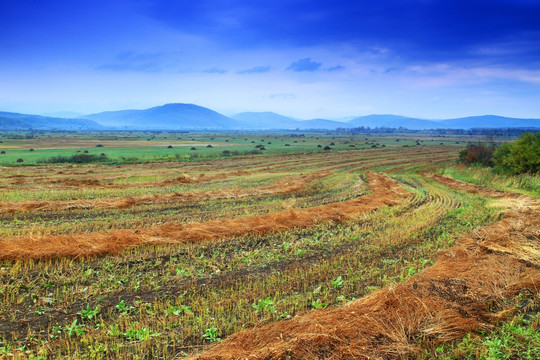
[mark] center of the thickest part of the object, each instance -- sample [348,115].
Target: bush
[477,154]
[520,156]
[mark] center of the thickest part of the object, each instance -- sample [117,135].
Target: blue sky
[307,59]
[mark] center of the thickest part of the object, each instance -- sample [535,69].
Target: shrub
[520,156]
[477,154]
[20,160]
[2,152]
[169,147]
[99,145]
[31,149]
[194,148]
[208,146]
[327,148]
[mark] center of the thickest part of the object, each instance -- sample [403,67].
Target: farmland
[161,251]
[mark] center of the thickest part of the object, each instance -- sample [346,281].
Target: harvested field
[383,192]
[467,289]
[171,259]
[282,186]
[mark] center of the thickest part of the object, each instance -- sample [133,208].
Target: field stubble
[192,283]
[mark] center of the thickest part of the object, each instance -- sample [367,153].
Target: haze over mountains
[15,121]
[193,117]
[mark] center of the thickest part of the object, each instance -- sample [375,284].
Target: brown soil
[454,297]
[384,192]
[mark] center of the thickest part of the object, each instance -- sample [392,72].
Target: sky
[431,59]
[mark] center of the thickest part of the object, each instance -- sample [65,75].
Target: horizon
[344,119]
[419,59]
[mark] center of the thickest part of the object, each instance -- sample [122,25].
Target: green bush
[520,156]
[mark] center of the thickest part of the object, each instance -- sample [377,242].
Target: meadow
[160,251]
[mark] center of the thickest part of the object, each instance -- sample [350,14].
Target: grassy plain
[168,295]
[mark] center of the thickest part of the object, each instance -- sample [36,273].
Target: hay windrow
[384,191]
[281,186]
[445,302]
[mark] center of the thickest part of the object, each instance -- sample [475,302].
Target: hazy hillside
[270,120]
[169,116]
[16,121]
[265,120]
[393,121]
[489,121]
[194,117]
[322,124]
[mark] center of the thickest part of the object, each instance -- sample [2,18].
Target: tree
[520,156]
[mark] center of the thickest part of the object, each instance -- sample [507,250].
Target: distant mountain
[194,117]
[166,117]
[16,121]
[265,120]
[273,121]
[485,121]
[65,114]
[393,121]
[321,124]
[489,121]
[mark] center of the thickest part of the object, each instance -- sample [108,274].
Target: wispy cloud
[215,70]
[305,64]
[336,68]
[255,70]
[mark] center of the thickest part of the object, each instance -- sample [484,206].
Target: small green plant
[318,304]
[338,282]
[89,314]
[74,329]
[139,334]
[5,350]
[56,331]
[179,310]
[123,307]
[211,334]
[264,305]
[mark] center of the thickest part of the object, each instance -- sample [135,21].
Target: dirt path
[384,191]
[487,270]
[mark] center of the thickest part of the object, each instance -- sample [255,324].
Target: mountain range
[16,121]
[193,117]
